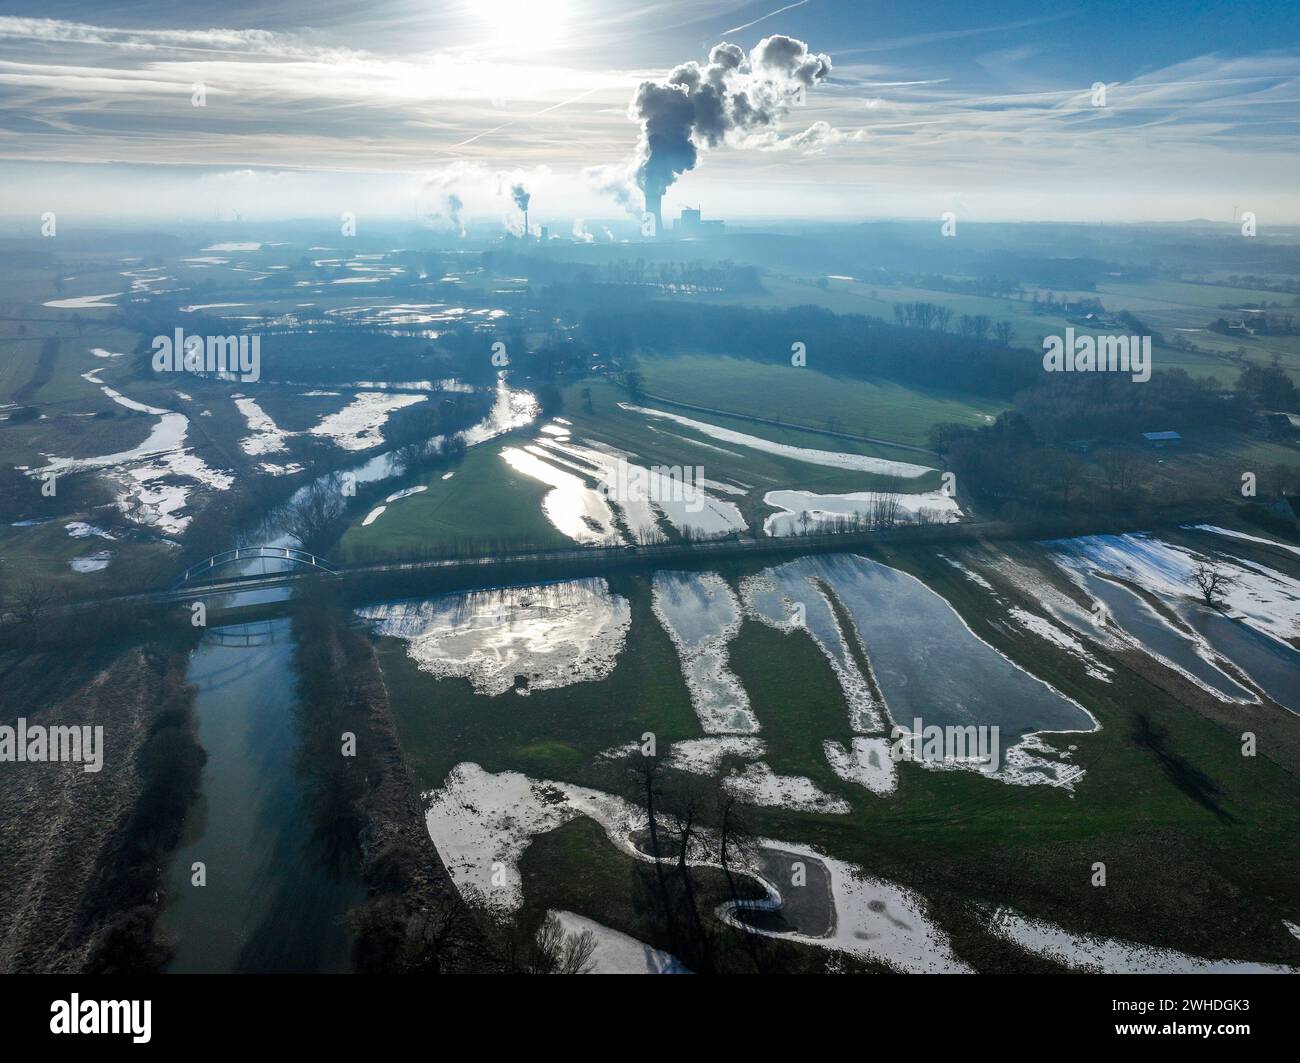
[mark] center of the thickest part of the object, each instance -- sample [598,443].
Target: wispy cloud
[329,100]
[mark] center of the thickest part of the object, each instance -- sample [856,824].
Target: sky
[432,111]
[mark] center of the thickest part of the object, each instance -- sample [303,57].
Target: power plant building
[692,223]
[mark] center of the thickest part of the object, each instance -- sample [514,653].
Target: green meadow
[1210,878]
[803,396]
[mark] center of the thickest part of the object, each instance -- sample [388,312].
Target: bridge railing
[255,553]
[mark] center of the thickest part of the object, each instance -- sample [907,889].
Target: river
[274,900]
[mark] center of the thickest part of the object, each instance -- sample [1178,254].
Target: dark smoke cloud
[727,98]
[521,195]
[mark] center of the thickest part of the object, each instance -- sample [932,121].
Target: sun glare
[523,26]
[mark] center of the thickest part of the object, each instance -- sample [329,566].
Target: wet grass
[1197,839]
[804,396]
[548,733]
[485,501]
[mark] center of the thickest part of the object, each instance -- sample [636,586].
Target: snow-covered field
[935,505]
[84,302]
[875,920]
[617,953]
[91,562]
[704,756]
[357,426]
[1108,956]
[1244,537]
[79,529]
[969,573]
[267,437]
[830,458]
[482,823]
[145,477]
[866,762]
[1044,628]
[701,615]
[576,510]
[1263,598]
[380,510]
[643,493]
[551,635]
[786,597]
[758,784]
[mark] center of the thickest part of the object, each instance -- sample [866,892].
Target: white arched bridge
[215,569]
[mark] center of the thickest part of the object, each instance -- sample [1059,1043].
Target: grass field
[1212,879]
[1166,306]
[803,396]
[484,500]
[665,442]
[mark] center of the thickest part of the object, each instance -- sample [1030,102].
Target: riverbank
[79,883]
[413,920]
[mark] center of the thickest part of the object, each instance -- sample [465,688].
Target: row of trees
[973,358]
[977,327]
[880,511]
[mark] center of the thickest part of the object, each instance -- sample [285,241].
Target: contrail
[737,29]
[544,110]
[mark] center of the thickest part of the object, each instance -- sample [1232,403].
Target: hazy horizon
[139,110]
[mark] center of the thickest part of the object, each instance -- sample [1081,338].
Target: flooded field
[896,651]
[520,638]
[1253,628]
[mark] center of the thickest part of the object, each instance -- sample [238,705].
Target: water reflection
[275,896]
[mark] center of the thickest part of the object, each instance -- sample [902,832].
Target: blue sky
[986,109]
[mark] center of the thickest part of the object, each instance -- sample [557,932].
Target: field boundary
[754,418]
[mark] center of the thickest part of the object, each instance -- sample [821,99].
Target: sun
[523,26]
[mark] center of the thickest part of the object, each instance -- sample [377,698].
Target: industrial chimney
[653,205]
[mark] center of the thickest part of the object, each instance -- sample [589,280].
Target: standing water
[275,897]
[273,901]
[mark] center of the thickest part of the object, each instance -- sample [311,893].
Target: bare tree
[547,950]
[737,843]
[556,951]
[646,769]
[885,509]
[686,809]
[434,931]
[1211,582]
[1121,470]
[32,599]
[310,515]
[1062,471]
